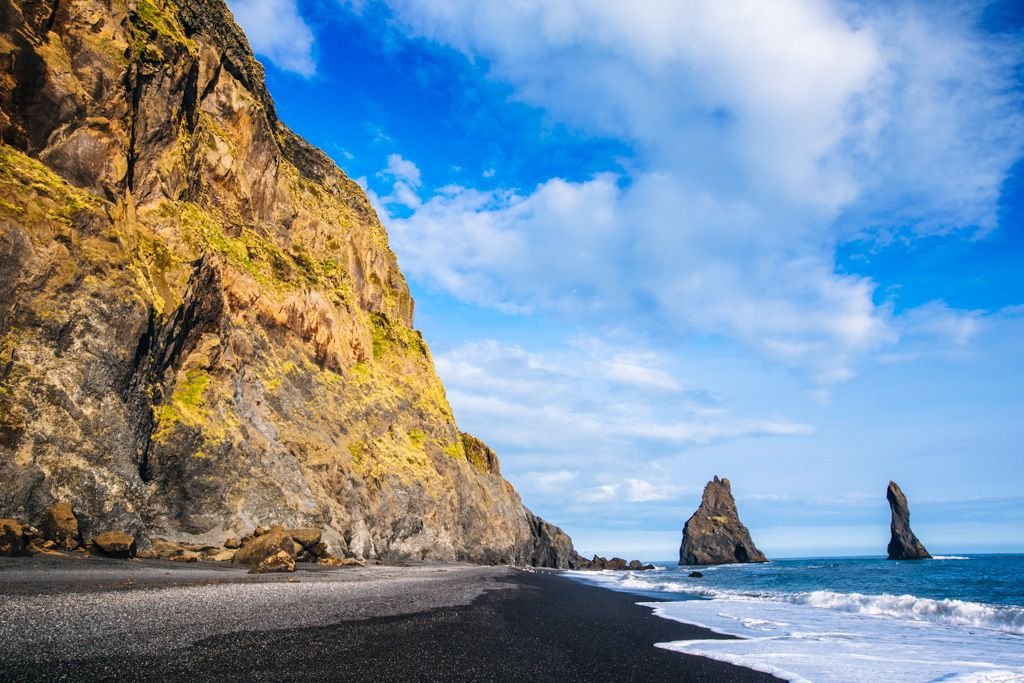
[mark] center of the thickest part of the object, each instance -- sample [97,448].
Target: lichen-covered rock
[61,526]
[276,562]
[204,327]
[115,544]
[265,545]
[307,538]
[714,533]
[11,542]
[903,544]
[335,561]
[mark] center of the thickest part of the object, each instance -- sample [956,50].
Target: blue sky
[652,243]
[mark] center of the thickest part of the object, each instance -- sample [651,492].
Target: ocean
[953,618]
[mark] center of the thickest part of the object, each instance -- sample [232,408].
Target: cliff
[714,533]
[202,326]
[903,544]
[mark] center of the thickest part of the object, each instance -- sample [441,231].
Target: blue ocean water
[952,618]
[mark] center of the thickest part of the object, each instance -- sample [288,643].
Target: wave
[949,557]
[947,612]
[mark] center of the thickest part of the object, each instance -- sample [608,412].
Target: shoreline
[108,619]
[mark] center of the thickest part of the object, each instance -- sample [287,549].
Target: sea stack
[903,544]
[714,533]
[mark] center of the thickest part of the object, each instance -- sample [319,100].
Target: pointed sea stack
[903,544]
[714,534]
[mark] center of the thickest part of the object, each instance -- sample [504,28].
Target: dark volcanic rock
[714,533]
[11,543]
[61,526]
[116,544]
[696,575]
[276,562]
[615,563]
[903,544]
[265,545]
[202,324]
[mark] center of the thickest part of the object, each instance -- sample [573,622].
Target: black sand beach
[105,620]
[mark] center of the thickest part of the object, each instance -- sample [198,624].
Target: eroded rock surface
[61,526]
[903,544]
[116,544]
[202,325]
[714,533]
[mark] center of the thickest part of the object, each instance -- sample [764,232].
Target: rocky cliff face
[903,544]
[202,327]
[714,533]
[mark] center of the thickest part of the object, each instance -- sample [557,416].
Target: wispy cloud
[278,32]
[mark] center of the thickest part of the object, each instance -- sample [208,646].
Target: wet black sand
[426,623]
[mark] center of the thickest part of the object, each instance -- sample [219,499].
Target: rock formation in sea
[202,326]
[714,533]
[903,544]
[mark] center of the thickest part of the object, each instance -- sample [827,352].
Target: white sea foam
[949,557]
[799,642]
[828,636]
[948,612]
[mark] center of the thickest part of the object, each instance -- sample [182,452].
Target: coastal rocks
[11,542]
[335,561]
[616,563]
[61,526]
[276,562]
[115,544]
[203,324]
[903,544]
[714,533]
[264,546]
[696,575]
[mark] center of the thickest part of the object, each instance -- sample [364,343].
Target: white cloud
[551,481]
[563,407]
[277,31]
[402,170]
[762,136]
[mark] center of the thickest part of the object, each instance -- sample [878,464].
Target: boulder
[335,561]
[115,544]
[696,575]
[714,533]
[61,526]
[232,544]
[615,563]
[648,567]
[42,546]
[11,542]
[225,555]
[279,561]
[263,546]
[307,538]
[635,565]
[903,544]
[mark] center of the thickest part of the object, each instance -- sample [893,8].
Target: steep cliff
[903,544]
[202,326]
[714,533]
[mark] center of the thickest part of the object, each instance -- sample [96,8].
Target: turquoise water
[993,579]
[953,618]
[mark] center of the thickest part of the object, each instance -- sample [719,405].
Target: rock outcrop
[116,544]
[903,544]
[61,526]
[12,543]
[202,326]
[714,533]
